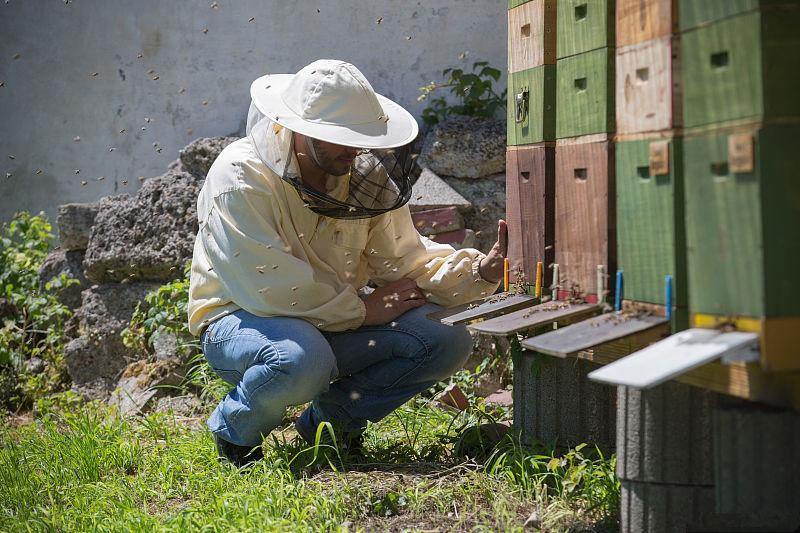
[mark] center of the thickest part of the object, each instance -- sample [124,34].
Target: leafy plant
[473,91]
[33,321]
[165,311]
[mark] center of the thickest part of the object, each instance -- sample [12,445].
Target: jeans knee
[451,346]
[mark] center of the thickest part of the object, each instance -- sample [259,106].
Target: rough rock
[68,262]
[488,198]
[197,157]
[149,237]
[98,355]
[466,147]
[75,221]
[34,365]
[165,346]
[186,405]
[141,382]
[432,192]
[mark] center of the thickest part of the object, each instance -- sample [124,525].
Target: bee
[205,102]
[11,156]
[93,74]
[139,55]
[155,78]
[122,130]
[182,90]
[371,343]
[379,20]
[84,182]
[2,84]
[124,182]
[38,171]
[252,19]
[236,253]
[111,149]
[204,30]
[214,5]
[77,171]
[408,37]
[16,56]
[76,139]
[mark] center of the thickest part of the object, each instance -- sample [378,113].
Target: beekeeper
[294,220]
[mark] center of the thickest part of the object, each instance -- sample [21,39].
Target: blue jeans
[352,376]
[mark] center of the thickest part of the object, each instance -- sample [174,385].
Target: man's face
[334,159]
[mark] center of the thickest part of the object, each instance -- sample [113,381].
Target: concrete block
[755,458]
[554,402]
[665,508]
[664,434]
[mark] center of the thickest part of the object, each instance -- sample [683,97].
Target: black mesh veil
[377,181]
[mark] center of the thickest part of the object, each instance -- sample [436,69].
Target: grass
[78,467]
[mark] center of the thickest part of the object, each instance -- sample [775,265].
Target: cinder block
[756,470]
[664,434]
[664,508]
[554,402]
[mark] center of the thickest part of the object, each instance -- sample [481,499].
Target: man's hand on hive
[389,302]
[491,267]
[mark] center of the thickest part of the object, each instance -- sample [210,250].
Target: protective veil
[377,181]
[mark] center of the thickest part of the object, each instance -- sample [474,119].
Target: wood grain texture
[532,35]
[743,67]
[539,122]
[481,309]
[694,13]
[651,234]
[648,94]
[584,25]
[593,332]
[642,20]
[585,97]
[533,317]
[585,213]
[530,204]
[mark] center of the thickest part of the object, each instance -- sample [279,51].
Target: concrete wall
[50,94]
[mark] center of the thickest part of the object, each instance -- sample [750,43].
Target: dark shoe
[347,444]
[239,456]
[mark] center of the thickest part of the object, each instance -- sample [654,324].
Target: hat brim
[399,130]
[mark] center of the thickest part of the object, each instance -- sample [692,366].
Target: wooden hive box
[742,220]
[651,235]
[531,106]
[585,98]
[530,198]
[584,25]
[584,213]
[742,68]
[531,35]
[648,94]
[694,13]
[643,20]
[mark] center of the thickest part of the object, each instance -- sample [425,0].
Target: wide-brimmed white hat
[331,100]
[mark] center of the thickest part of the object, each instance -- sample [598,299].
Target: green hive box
[651,240]
[538,121]
[515,3]
[696,12]
[742,227]
[744,67]
[585,97]
[584,25]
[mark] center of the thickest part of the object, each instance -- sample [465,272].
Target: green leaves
[473,93]
[36,325]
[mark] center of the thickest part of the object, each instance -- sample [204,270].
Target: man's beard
[328,166]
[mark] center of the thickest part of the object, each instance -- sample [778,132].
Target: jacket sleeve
[448,277]
[256,270]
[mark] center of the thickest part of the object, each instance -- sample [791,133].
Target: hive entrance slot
[643,172]
[580,12]
[580,84]
[580,174]
[525,176]
[719,59]
[526,30]
[642,74]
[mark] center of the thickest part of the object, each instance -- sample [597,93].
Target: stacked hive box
[584,182]
[741,74]
[555,402]
[531,130]
[649,163]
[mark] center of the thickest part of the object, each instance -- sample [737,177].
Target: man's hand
[491,268]
[389,302]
